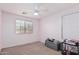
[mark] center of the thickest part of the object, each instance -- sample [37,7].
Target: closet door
[71,26]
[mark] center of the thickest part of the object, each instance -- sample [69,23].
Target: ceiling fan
[36,9]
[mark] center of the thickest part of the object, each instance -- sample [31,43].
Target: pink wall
[50,28]
[10,38]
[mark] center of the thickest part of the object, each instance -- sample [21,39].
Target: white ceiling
[44,9]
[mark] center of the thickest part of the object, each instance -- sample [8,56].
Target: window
[24,26]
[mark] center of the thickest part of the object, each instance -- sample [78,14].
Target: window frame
[29,32]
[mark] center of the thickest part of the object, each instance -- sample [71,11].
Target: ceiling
[44,9]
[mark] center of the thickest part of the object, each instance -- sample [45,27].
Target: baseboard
[21,45]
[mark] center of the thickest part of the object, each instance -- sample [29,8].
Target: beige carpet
[36,48]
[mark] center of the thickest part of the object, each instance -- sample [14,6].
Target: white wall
[0,30]
[51,26]
[10,38]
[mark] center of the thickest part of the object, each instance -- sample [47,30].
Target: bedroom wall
[10,38]
[51,26]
